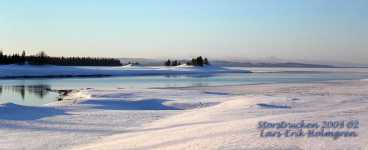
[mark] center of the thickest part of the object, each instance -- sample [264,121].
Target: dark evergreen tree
[168,63]
[2,58]
[23,58]
[199,61]
[206,61]
[42,59]
[194,62]
[174,63]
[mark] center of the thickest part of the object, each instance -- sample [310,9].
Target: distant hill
[158,62]
[286,64]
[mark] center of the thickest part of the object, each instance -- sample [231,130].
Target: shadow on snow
[146,104]
[10,111]
[263,105]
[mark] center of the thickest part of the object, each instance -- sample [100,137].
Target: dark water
[38,91]
[27,94]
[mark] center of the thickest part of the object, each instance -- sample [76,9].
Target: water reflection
[38,90]
[27,94]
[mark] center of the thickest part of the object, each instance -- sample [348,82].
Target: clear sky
[333,30]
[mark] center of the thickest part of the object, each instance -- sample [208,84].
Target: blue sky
[287,29]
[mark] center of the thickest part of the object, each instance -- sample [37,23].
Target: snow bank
[233,123]
[14,71]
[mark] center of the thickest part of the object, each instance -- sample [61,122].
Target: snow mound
[184,66]
[131,65]
[205,67]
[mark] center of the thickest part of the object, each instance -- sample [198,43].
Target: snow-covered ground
[233,123]
[11,71]
[223,117]
[61,125]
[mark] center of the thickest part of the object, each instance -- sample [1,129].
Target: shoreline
[55,76]
[80,94]
[50,71]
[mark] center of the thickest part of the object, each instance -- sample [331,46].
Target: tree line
[199,61]
[42,58]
